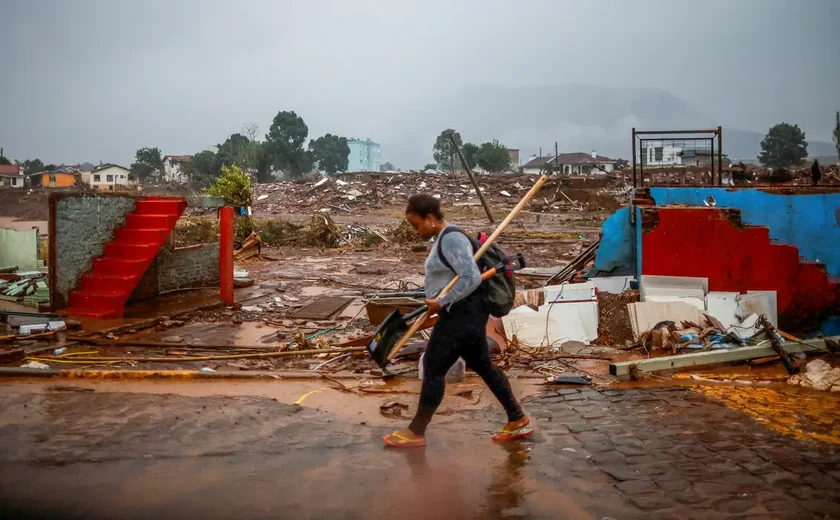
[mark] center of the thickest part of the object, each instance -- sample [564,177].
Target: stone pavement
[637,453]
[675,451]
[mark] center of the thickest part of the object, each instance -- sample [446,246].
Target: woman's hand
[433,305]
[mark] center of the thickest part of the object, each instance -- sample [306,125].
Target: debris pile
[250,248]
[322,232]
[26,287]
[739,174]
[403,234]
[818,375]
[332,194]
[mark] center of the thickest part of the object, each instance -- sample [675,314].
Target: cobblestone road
[720,452]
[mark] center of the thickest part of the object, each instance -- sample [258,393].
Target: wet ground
[120,450]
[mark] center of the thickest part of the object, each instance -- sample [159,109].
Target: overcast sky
[91,80]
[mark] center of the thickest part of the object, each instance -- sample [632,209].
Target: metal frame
[703,135]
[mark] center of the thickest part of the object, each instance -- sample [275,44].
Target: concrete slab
[759,302]
[723,306]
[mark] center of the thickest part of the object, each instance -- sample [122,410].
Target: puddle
[315,290]
[319,394]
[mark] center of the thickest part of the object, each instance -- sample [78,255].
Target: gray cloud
[90,80]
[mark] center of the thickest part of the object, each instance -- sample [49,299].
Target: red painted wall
[704,242]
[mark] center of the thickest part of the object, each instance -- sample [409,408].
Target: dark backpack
[500,289]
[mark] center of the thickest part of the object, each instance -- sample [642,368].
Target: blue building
[364,156]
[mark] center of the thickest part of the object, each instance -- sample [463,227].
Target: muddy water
[317,394]
[131,459]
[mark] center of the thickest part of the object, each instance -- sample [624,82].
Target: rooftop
[177,158]
[10,169]
[568,158]
[108,165]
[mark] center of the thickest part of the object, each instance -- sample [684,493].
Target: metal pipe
[634,157]
[712,161]
[720,154]
[656,132]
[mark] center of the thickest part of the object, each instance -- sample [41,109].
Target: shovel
[383,346]
[395,325]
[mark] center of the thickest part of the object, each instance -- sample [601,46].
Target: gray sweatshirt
[458,251]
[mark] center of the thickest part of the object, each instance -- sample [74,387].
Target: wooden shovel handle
[478,254]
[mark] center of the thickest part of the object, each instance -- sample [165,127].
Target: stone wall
[82,225]
[179,268]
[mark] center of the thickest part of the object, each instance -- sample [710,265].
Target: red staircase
[102,292]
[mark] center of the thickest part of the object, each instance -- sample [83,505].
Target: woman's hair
[424,205]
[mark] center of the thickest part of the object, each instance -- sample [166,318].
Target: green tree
[386,167]
[285,139]
[203,168]
[3,160]
[430,166]
[837,136]
[444,153]
[263,163]
[493,157]
[32,166]
[783,146]
[331,152]
[233,185]
[147,162]
[235,146]
[471,152]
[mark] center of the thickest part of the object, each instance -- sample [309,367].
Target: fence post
[226,254]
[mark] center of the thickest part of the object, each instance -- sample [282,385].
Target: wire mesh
[674,158]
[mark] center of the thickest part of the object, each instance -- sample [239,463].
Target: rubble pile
[740,175]
[29,288]
[333,195]
[403,234]
[322,231]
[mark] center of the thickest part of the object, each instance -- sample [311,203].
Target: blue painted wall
[616,253]
[811,222]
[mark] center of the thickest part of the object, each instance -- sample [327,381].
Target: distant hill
[580,117]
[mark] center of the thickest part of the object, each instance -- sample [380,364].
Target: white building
[11,175]
[578,163]
[109,177]
[661,153]
[172,168]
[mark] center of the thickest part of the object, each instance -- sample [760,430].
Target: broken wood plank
[322,308]
[714,356]
[790,366]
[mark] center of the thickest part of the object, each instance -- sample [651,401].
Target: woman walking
[460,329]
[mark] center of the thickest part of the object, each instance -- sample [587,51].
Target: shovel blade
[387,335]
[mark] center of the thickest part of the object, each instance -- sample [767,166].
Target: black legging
[460,333]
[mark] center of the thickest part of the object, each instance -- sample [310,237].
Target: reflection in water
[445,489]
[506,489]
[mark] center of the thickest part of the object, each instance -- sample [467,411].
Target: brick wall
[80,227]
[179,268]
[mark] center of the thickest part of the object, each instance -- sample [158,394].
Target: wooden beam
[713,356]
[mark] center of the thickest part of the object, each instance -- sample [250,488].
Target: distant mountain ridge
[581,118]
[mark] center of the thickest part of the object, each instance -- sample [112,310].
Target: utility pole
[556,155]
[472,179]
